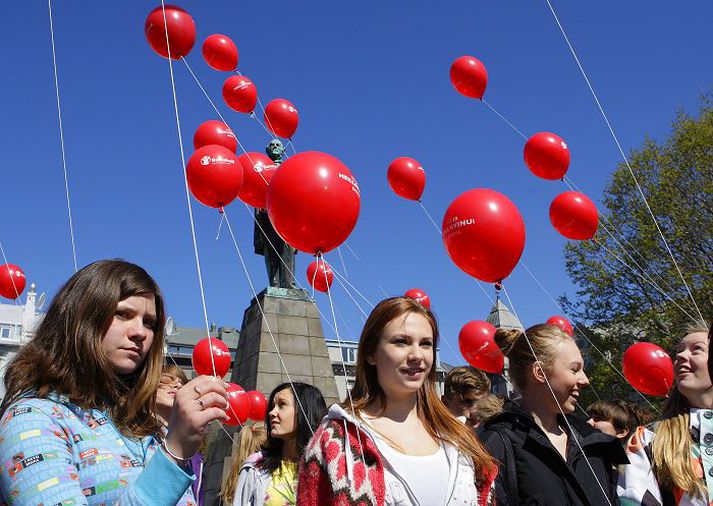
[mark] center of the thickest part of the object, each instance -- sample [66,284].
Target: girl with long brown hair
[395,442]
[77,422]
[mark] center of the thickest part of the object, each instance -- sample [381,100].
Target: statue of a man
[279,256]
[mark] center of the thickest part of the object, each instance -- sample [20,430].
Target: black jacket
[541,476]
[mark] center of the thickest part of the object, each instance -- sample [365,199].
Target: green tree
[615,273]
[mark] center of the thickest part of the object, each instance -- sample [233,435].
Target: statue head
[275,150]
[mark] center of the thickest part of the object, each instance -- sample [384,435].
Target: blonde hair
[542,338]
[488,407]
[465,382]
[252,437]
[671,449]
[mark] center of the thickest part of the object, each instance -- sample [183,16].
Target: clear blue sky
[370,80]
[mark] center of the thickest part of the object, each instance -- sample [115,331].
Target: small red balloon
[238,405]
[215,132]
[469,77]
[484,234]
[258,170]
[648,368]
[180,27]
[574,216]
[419,296]
[320,275]
[281,118]
[562,323]
[240,93]
[478,347]
[202,362]
[258,405]
[547,155]
[406,178]
[220,52]
[214,175]
[313,202]
[12,281]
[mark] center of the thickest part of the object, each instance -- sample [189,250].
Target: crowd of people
[93,415]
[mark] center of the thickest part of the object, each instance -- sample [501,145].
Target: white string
[624,157]
[564,416]
[61,141]
[504,119]
[365,268]
[341,259]
[12,278]
[338,275]
[358,306]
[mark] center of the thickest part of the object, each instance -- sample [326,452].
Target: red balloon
[406,178]
[240,93]
[281,118]
[258,170]
[320,275]
[214,175]
[12,281]
[469,77]
[419,296]
[220,52]
[180,27]
[648,368]
[547,155]
[313,202]
[202,362]
[258,405]
[238,405]
[574,216]
[562,323]
[484,234]
[478,347]
[215,132]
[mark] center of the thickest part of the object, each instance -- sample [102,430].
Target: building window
[349,355]
[5,332]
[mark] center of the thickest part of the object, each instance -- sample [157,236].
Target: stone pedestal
[297,331]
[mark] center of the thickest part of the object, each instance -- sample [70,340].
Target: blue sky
[370,80]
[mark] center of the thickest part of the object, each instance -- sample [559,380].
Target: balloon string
[61,141]
[270,131]
[220,225]
[624,157]
[504,119]
[188,195]
[578,330]
[292,144]
[341,259]
[358,306]
[571,435]
[264,318]
[369,275]
[12,278]
[338,275]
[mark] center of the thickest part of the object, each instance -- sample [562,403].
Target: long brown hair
[65,356]
[438,421]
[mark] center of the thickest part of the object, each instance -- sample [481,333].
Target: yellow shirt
[283,486]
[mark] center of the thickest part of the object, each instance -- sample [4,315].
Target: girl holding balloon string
[77,423]
[672,461]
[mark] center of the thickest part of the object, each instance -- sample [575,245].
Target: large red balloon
[202,362]
[648,368]
[469,77]
[574,216]
[220,52]
[320,275]
[258,170]
[180,27]
[215,132]
[258,405]
[406,178]
[240,93]
[313,202]
[12,281]
[562,323]
[484,234]
[214,175]
[479,348]
[547,155]
[238,405]
[419,296]
[281,118]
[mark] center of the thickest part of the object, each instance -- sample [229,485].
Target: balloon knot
[221,210]
[498,286]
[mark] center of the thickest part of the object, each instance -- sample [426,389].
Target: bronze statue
[279,256]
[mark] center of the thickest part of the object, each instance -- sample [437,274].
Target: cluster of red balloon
[320,275]
[12,281]
[211,356]
[419,296]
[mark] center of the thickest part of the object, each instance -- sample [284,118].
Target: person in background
[250,439]
[616,418]
[462,388]
[486,408]
[77,422]
[269,477]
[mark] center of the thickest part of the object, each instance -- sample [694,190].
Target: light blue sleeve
[161,482]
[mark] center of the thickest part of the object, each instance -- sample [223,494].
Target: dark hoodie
[541,475]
